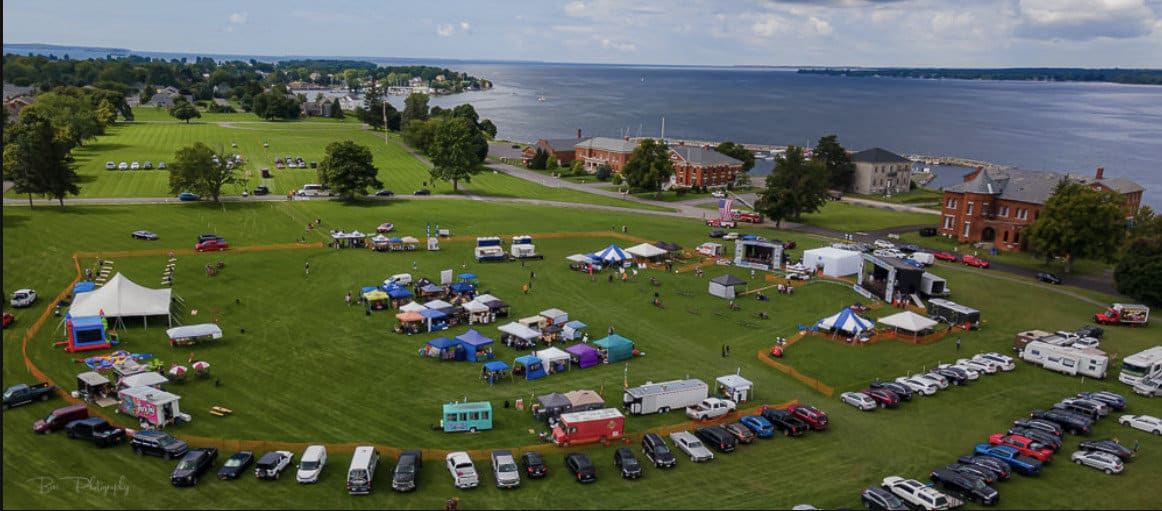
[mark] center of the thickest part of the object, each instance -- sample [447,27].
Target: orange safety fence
[819,386]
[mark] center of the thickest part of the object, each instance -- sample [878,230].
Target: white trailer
[1067,359]
[932,285]
[665,396]
[1144,364]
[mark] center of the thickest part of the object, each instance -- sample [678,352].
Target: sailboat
[541,97]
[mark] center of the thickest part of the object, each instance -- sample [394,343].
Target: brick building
[597,151]
[702,166]
[995,206]
[879,171]
[563,150]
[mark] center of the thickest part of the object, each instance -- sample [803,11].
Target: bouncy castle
[88,333]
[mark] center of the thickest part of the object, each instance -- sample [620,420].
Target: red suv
[212,244]
[974,261]
[811,415]
[944,256]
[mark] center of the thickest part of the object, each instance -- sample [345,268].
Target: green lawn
[922,197]
[1022,259]
[850,217]
[309,369]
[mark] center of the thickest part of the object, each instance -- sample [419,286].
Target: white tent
[646,250]
[908,321]
[557,316]
[581,258]
[438,305]
[845,321]
[412,307]
[612,254]
[121,298]
[201,330]
[533,322]
[146,379]
[553,357]
[835,262]
[519,330]
[723,286]
[477,312]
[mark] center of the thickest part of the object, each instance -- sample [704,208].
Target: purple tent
[586,355]
[474,345]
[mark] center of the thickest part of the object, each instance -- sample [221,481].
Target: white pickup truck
[710,408]
[920,495]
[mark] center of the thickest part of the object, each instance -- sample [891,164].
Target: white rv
[1144,364]
[665,396]
[1067,359]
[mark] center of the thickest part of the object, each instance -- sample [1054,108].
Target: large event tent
[586,355]
[616,347]
[474,344]
[909,321]
[723,285]
[556,359]
[835,262]
[121,298]
[612,254]
[846,321]
[646,251]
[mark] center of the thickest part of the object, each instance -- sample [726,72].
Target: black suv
[1090,331]
[1003,470]
[785,421]
[407,470]
[1111,400]
[1038,435]
[262,190]
[1075,423]
[905,393]
[1048,278]
[988,475]
[1041,424]
[716,437]
[969,487]
[625,461]
[1081,406]
[581,467]
[877,498]
[96,429]
[1108,446]
[534,465]
[157,443]
[193,465]
[656,450]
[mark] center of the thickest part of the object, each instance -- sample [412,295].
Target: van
[311,464]
[924,258]
[362,470]
[60,418]
[313,190]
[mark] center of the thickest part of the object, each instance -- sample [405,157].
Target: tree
[106,112]
[199,169]
[540,159]
[603,172]
[184,111]
[840,169]
[147,93]
[552,164]
[795,186]
[453,151]
[649,166]
[336,109]
[488,128]
[348,169]
[35,159]
[1140,270]
[1078,221]
[415,108]
[74,118]
[738,152]
[419,134]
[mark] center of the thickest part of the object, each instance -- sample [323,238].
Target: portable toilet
[734,387]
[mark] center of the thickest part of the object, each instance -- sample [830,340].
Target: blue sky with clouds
[952,33]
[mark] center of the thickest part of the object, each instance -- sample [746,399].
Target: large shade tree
[453,151]
[1078,221]
[840,169]
[348,169]
[36,159]
[795,186]
[201,170]
[649,166]
[1139,270]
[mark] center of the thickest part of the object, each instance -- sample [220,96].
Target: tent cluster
[378,242]
[554,404]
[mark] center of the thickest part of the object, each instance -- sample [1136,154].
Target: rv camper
[1066,359]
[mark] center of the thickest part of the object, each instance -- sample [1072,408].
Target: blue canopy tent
[612,254]
[441,347]
[616,347]
[748,237]
[474,343]
[573,330]
[435,319]
[530,366]
[398,294]
[84,287]
[466,276]
[462,287]
[495,370]
[846,321]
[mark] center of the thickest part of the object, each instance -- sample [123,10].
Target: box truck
[590,426]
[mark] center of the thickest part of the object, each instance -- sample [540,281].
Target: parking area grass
[310,369]
[843,216]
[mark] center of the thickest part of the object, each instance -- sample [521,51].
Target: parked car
[944,256]
[208,237]
[974,261]
[1146,423]
[407,470]
[423,191]
[261,190]
[1110,399]
[236,465]
[784,421]
[384,193]
[879,499]
[311,464]
[188,196]
[462,469]
[740,432]
[718,194]
[965,372]
[1108,446]
[147,165]
[919,495]
[1002,362]
[110,165]
[144,235]
[1048,278]
[717,438]
[95,429]
[980,366]
[1088,407]
[214,244]
[656,450]
[1149,387]
[883,244]
[761,427]
[858,400]
[271,464]
[23,298]
[157,443]
[951,375]
[1041,424]
[504,469]
[1018,462]
[717,233]
[191,467]
[1040,436]
[710,408]
[988,475]
[1103,461]
[135,166]
[1076,424]
[534,465]
[933,377]
[1001,468]
[814,417]
[883,398]
[161,165]
[901,391]
[627,463]
[690,444]
[1024,445]
[889,253]
[964,485]
[918,386]
[581,467]
[123,166]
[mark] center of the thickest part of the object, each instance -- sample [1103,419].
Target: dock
[955,161]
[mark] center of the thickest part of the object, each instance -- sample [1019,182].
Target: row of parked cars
[148,165]
[890,394]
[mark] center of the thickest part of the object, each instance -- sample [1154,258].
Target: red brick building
[599,151]
[995,206]
[702,166]
[561,149]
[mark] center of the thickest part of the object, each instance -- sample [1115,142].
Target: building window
[966,226]
[948,219]
[1017,237]
[1006,236]
[969,210]
[1004,211]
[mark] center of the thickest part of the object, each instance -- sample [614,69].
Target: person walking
[348,298]
[957,344]
[532,275]
[307,267]
[723,351]
[727,350]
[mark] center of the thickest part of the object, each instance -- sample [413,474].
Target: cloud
[464,27]
[238,18]
[822,27]
[445,30]
[622,46]
[767,25]
[1085,19]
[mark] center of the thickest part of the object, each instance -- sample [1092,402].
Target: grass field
[310,369]
[850,217]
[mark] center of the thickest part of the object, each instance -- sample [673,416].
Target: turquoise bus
[476,416]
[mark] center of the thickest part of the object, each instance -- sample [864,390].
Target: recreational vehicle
[1144,364]
[1066,359]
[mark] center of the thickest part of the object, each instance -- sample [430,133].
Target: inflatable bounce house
[88,333]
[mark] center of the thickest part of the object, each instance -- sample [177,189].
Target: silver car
[1003,362]
[504,469]
[1103,461]
[1149,387]
[691,445]
[859,400]
[939,380]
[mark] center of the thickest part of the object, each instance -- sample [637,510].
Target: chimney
[627,138]
[1100,172]
[681,143]
[578,133]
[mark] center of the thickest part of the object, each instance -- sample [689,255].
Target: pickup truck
[96,429]
[1024,445]
[919,495]
[1019,463]
[20,394]
[710,408]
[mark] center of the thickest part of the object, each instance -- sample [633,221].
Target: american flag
[724,206]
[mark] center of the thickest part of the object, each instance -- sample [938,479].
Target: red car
[884,398]
[8,319]
[811,415]
[974,261]
[945,256]
[1023,445]
[714,222]
[212,244]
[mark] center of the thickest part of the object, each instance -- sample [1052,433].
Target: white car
[730,236]
[462,470]
[858,400]
[918,386]
[1148,387]
[311,464]
[135,166]
[718,194]
[889,253]
[1103,461]
[1004,362]
[980,367]
[1146,423]
[710,408]
[110,165]
[940,381]
[23,298]
[122,166]
[1087,342]
[884,244]
[691,445]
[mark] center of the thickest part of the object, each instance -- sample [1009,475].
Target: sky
[901,33]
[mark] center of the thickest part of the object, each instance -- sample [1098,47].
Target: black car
[236,465]
[969,487]
[207,237]
[422,191]
[1049,278]
[534,465]
[877,498]
[262,190]
[1003,470]
[952,374]
[384,193]
[1040,436]
[581,467]
[740,431]
[1109,446]
[988,475]
[96,429]
[1114,401]
[1083,407]
[785,421]
[656,450]
[1091,331]
[407,470]
[1074,423]
[625,461]
[1041,424]
[157,443]
[928,231]
[717,233]
[717,438]
[903,392]
[910,248]
[193,465]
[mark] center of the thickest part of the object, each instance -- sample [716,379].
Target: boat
[541,98]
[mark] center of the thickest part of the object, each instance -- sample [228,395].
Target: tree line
[1114,75]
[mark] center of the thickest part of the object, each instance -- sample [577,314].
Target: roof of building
[613,145]
[878,155]
[698,156]
[1117,184]
[563,144]
[1033,186]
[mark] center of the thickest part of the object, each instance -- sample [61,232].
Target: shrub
[603,173]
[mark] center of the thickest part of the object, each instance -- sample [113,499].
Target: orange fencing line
[819,386]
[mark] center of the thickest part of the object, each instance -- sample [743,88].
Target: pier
[955,161]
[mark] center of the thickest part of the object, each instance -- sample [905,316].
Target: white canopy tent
[646,251]
[835,262]
[846,321]
[477,312]
[412,307]
[908,321]
[520,331]
[553,357]
[146,379]
[557,316]
[120,298]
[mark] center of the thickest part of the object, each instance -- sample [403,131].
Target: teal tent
[616,347]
